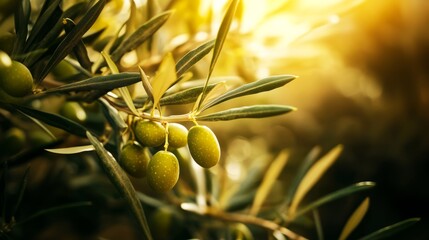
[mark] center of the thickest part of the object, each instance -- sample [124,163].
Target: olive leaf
[255,111]
[358,187]
[262,85]
[164,78]
[146,84]
[271,175]
[220,39]
[80,51]
[22,17]
[48,17]
[108,82]
[123,90]
[188,95]
[71,39]
[299,175]
[354,219]
[192,57]
[311,178]
[54,120]
[140,35]
[71,150]
[388,231]
[122,183]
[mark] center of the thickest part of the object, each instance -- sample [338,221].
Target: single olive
[13,141]
[16,80]
[163,171]
[73,111]
[203,146]
[177,135]
[134,159]
[149,133]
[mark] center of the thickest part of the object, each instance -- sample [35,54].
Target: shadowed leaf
[79,50]
[388,231]
[336,195]
[122,183]
[48,17]
[99,83]
[54,120]
[22,16]
[71,39]
[140,35]
[256,111]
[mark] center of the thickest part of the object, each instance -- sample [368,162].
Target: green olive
[13,141]
[163,171]
[73,111]
[63,71]
[203,146]
[149,133]
[16,80]
[177,135]
[134,159]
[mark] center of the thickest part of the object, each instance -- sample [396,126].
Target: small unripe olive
[73,111]
[203,146]
[149,133]
[16,80]
[14,141]
[177,135]
[134,159]
[163,171]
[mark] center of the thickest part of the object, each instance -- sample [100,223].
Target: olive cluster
[162,168]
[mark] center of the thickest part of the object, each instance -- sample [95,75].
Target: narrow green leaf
[358,187]
[355,219]
[80,51]
[99,83]
[388,231]
[255,111]
[270,177]
[56,209]
[112,115]
[122,183]
[311,178]
[192,57]
[50,40]
[189,95]
[318,224]
[54,120]
[220,39]
[48,17]
[262,85]
[71,39]
[146,84]
[302,170]
[123,90]
[22,17]
[164,78]
[140,35]
[22,187]
[71,150]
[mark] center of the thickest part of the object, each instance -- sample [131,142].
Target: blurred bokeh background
[363,70]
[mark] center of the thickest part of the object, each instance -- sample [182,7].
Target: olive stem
[248,219]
